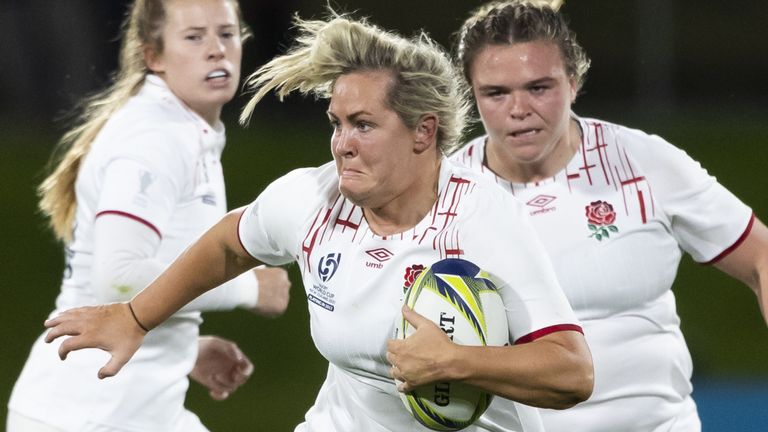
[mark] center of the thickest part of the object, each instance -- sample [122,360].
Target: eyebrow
[538,81]
[352,116]
[203,28]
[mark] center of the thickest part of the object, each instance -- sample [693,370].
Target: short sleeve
[705,218]
[501,240]
[270,227]
[137,190]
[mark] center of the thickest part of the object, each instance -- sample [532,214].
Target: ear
[425,134]
[574,92]
[153,60]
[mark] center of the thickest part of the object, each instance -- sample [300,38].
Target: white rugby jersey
[157,162]
[615,222]
[355,281]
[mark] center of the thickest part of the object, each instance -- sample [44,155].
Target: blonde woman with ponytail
[388,204]
[138,181]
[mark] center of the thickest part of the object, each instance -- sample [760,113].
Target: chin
[355,197]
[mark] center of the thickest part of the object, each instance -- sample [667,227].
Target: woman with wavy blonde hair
[395,106]
[138,181]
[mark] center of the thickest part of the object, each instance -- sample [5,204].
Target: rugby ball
[464,302]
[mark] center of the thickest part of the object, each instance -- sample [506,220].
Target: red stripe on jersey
[600,144]
[642,205]
[130,216]
[347,223]
[530,337]
[738,242]
[586,166]
[308,249]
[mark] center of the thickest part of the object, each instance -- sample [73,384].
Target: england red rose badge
[600,217]
[411,273]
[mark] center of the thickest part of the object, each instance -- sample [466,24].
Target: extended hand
[110,327]
[274,291]
[422,357]
[221,367]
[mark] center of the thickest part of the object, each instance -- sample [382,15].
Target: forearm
[552,372]
[241,291]
[749,264]
[212,260]
[760,287]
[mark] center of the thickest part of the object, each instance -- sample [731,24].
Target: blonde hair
[142,29]
[514,21]
[424,80]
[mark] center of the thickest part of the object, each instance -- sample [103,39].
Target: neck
[212,117]
[407,209]
[504,164]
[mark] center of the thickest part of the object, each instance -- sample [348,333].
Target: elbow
[576,389]
[574,385]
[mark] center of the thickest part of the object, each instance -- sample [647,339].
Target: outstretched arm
[119,328]
[749,264]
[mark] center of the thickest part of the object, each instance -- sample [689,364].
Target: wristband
[136,319]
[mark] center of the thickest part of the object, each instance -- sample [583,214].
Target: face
[524,98]
[200,61]
[375,152]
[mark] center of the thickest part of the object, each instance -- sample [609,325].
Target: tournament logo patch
[320,294]
[600,218]
[328,265]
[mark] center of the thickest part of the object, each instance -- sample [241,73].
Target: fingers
[218,396]
[64,324]
[221,367]
[72,344]
[112,367]
[413,317]
[244,371]
[64,329]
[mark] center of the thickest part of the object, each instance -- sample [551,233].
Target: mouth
[524,133]
[349,171]
[218,74]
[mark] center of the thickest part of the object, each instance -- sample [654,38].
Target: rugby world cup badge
[328,265]
[320,294]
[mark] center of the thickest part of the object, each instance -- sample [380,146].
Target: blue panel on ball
[455,266]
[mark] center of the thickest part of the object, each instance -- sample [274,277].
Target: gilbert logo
[328,265]
[541,202]
[380,255]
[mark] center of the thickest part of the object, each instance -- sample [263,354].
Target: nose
[343,143]
[519,106]
[216,49]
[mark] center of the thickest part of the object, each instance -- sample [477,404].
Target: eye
[538,89]
[364,126]
[194,37]
[492,93]
[228,35]
[334,123]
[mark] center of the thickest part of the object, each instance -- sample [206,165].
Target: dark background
[693,72]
